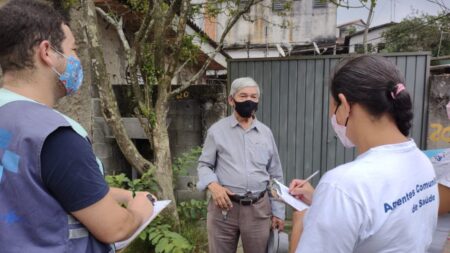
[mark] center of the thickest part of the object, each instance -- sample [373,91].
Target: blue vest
[31,220]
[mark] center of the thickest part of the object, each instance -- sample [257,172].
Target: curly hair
[23,25]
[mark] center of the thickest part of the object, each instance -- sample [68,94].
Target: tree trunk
[108,100]
[163,161]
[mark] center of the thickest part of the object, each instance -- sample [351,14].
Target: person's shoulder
[30,109]
[43,118]
[349,176]
[263,127]
[341,173]
[66,138]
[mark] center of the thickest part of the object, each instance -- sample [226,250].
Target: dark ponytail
[374,82]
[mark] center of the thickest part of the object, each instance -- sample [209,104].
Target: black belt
[246,200]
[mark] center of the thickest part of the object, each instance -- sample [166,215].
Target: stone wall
[191,114]
[438,122]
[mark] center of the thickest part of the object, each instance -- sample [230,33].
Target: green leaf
[169,247]
[143,235]
[156,239]
[161,245]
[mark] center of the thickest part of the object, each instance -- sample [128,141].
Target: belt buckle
[245,202]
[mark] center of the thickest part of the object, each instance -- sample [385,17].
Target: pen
[310,177]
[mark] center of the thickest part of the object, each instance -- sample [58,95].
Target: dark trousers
[251,222]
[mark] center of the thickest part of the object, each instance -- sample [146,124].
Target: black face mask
[246,109]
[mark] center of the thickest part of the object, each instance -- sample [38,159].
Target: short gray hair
[241,83]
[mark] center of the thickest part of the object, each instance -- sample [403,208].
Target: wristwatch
[151,198]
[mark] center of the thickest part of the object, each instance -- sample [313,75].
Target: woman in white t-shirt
[441,163]
[386,200]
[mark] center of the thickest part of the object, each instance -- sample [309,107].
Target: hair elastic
[398,88]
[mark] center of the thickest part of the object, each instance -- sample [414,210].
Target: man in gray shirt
[239,157]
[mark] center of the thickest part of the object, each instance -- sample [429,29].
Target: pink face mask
[341,132]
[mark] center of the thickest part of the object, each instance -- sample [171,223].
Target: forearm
[109,222]
[297,230]
[125,226]
[444,199]
[122,196]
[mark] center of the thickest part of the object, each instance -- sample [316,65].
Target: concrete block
[96,107]
[102,150]
[190,139]
[192,171]
[98,136]
[186,183]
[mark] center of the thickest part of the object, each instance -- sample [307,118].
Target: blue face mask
[72,77]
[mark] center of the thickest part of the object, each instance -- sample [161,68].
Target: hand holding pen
[302,189]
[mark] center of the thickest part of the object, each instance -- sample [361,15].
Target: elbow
[119,231]
[112,236]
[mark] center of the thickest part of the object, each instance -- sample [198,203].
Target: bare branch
[145,125]
[181,67]
[230,23]
[118,25]
[129,53]
[339,4]
[171,12]
[146,25]
[143,98]
[109,103]
[181,30]
[441,4]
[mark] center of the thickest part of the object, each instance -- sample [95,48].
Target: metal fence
[294,104]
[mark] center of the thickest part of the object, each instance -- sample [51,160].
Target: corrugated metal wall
[294,104]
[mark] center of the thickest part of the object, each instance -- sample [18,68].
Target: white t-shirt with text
[441,164]
[384,201]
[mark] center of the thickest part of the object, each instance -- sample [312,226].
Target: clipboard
[283,194]
[159,206]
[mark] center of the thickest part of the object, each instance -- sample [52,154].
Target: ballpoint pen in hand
[309,178]
[312,175]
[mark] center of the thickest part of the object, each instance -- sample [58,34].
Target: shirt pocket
[260,152]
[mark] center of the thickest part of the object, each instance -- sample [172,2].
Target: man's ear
[231,101]
[45,54]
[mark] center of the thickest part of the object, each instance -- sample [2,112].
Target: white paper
[159,206]
[284,194]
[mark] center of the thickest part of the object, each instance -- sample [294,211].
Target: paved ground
[287,229]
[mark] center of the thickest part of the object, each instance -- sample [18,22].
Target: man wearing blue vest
[53,197]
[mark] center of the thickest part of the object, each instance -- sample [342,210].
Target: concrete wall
[113,53]
[374,37]
[253,53]
[300,25]
[438,121]
[191,114]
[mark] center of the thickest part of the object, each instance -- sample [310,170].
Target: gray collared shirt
[240,160]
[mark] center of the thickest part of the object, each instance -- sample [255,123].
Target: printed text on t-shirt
[391,206]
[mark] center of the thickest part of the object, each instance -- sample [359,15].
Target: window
[278,5]
[320,3]
[381,47]
[243,3]
[359,48]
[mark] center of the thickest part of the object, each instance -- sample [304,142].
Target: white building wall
[303,22]
[252,53]
[374,37]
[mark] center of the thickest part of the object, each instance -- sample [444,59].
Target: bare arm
[109,222]
[297,229]
[444,199]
